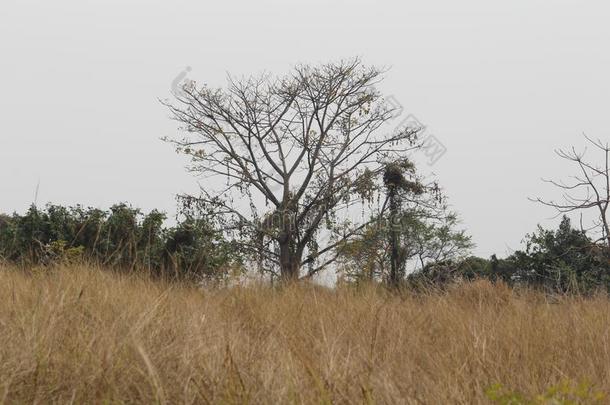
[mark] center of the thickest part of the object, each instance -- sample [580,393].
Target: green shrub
[122,237]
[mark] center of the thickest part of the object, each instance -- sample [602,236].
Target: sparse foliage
[282,157]
[588,189]
[417,229]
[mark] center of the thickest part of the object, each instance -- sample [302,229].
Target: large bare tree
[280,158]
[588,189]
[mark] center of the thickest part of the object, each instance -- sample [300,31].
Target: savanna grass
[80,334]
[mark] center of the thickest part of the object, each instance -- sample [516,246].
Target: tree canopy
[281,157]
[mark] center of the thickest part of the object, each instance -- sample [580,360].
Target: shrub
[122,237]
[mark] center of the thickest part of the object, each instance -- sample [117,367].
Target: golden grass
[82,335]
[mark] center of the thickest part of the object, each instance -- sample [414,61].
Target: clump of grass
[79,334]
[565,393]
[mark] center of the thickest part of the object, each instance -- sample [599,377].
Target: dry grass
[85,336]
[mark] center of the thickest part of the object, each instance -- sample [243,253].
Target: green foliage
[415,228]
[565,393]
[121,237]
[446,272]
[59,252]
[365,258]
[424,242]
[565,260]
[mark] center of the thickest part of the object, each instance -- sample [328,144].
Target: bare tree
[589,189]
[282,156]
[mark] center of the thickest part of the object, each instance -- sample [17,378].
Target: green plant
[122,237]
[564,393]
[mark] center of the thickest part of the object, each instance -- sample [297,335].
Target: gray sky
[500,84]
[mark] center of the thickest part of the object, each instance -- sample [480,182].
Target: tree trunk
[395,265]
[289,261]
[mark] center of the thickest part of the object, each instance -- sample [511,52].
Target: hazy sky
[500,84]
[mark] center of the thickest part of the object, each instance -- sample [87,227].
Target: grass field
[81,335]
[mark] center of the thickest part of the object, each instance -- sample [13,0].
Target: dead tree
[282,156]
[589,189]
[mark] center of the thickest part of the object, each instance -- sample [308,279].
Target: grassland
[81,335]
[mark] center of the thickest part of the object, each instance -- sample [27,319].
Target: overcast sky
[500,84]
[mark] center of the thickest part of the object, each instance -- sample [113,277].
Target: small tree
[282,157]
[588,189]
[397,185]
[416,228]
[564,260]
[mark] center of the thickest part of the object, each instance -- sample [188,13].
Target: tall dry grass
[81,335]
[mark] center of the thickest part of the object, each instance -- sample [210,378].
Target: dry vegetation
[81,335]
